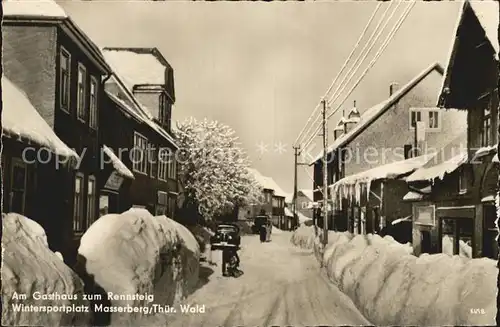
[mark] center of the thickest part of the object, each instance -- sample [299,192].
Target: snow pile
[465,249]
[390,286]
[134,253]
[30,268]
[303,237]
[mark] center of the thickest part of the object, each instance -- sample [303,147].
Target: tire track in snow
[236,310]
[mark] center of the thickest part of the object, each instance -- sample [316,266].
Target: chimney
[393,87]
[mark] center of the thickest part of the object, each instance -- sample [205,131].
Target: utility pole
[325,177]
[296,154]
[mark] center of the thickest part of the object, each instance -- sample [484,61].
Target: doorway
[456,236]
[18,186]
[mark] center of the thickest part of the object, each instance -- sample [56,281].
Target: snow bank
[29,267]
[390,286]
[136,253]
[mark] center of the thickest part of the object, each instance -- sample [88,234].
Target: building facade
[380,136]
[143,106]
[61,71]
[457,213]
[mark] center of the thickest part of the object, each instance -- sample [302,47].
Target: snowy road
[281,285]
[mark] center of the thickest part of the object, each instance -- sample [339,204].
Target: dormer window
[354,115]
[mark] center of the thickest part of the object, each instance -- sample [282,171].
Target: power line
[359,56]
[379,53]
[357,63]
[384,46]
[340,72]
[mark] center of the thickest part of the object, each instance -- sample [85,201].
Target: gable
[374,113]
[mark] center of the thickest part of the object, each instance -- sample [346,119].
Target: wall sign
[425,215]
[114,181]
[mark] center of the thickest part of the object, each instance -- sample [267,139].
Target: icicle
[368,188]
[357,190]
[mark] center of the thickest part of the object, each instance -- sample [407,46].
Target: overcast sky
[262,67]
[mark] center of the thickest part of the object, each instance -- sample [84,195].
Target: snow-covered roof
[400,220]
[39,8]
[21,119]
[137,109]
[439,170]
[49,10]
[372,114]
[387,171]
[267,182]
[308,194]
[301,216]
[136,68]
[412,196]
[117,163]
[489,198]
[487,15]
[484,151]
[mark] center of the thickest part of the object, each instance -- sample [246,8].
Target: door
[490,244]
[18,186]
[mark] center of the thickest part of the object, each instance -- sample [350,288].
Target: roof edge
[345,138]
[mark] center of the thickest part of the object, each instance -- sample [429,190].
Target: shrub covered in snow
[30,268]
[391,286]
[135,253]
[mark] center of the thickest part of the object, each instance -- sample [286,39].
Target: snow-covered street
[281,285]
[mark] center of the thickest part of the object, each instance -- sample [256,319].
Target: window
[103,205]
[18,186]
[268,196]
[408,149]
[456,236]
[415,116]
[162,203]
[486,128]
[433,119]
[78,219]
[139,153]
[163,108]
[462,181]
[65,67]
[172,204]
[152,159]
[81,91]
[172,167]
[93,102]
[91,201]
[164,155]
[275,202]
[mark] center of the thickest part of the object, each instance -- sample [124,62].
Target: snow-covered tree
[212,169]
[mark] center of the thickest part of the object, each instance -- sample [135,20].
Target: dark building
[458,210]
[61,71]
[140,96]
[30,148]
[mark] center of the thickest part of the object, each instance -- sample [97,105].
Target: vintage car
[225,235]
